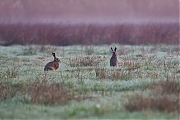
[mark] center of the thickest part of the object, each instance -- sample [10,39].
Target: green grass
[85,86]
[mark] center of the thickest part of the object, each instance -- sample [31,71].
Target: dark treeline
[85,34]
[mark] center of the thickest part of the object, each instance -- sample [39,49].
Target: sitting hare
[52,65]
[113,60]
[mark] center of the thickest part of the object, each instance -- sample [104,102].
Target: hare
[52,65]
[113,60]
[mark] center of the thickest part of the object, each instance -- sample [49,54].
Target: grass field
[145,84]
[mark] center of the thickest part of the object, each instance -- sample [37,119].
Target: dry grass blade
[112,73]
[161,103]
[83,61]
[40,93]
[166,99]
[170,87]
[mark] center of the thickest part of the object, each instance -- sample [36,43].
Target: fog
[88,11]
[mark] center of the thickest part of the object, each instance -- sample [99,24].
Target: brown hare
[113,60]
[52,65]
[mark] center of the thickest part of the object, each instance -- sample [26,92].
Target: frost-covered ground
[85,86]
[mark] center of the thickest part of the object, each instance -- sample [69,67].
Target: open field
[145,84]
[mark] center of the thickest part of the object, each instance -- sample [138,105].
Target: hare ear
[115,49]
[53,54]
[111,49]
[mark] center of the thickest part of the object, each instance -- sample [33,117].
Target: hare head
[52,65]
[113,51]
[113,60]
[55,58]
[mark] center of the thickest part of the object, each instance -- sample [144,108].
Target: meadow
[145,84]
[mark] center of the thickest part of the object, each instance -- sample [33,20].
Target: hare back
[51,66]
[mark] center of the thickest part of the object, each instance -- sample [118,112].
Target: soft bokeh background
[70,22]
[101,11]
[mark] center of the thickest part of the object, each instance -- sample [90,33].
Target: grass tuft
[89,50]
[9,72]
[161,102]
[40,93]
[166,100]
[84,61]
[112,73]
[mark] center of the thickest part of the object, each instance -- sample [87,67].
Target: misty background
[69,22]
[89,11]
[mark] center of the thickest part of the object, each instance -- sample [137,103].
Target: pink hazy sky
[87,11]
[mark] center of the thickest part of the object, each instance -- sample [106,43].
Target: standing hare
[52,65]
[113,60]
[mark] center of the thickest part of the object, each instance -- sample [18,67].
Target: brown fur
[52,65]
[113,60]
